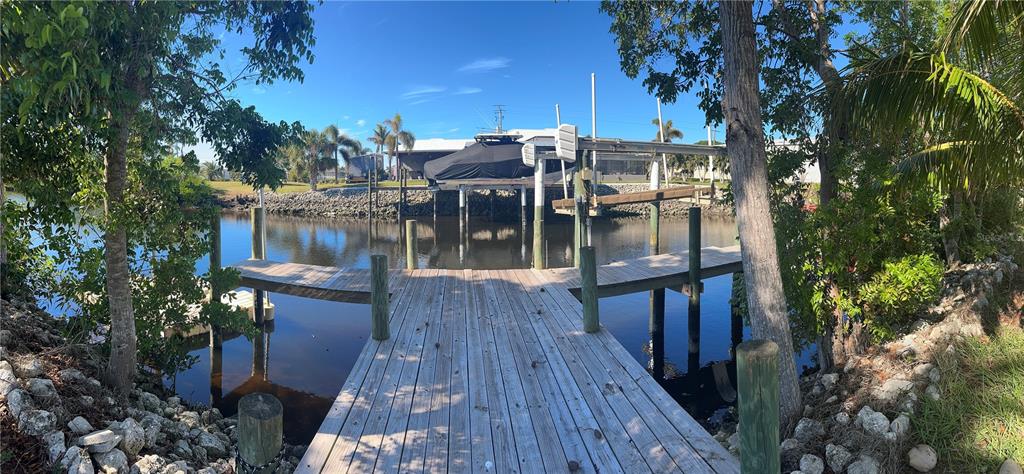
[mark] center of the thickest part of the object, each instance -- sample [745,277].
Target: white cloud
[345,117]
[422,101]
[485,65]
[258,90]
[360,122]
[468,90]
[453,130]
[421,91]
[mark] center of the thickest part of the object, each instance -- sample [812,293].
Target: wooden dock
[491,371]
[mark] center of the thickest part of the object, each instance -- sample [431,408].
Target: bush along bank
[57,416]
[861,418]
[351,202]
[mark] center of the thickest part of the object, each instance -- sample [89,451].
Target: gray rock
[8,381]
[1010,466]
[872,421]
[811,464]
[86,400]
[863,465]
[842,418]
[37,422]
[807,430]
[149,402]
[80,426]
[892,389]
[909,403]
[54,442]
[42,389]
[211,416]
[5,337]
[77,461]
[112,462]
[28,368]
[922,458]
[933,392]
[149,464]
[837,457]
[18,402]
[182,449]
[213,446]
[133,436]
[71,376]
[789,444]
[100,441]
[151,424]
[734,442]
[900,425]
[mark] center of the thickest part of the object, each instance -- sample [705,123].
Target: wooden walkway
[490,371]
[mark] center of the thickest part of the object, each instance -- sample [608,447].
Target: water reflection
[306,355]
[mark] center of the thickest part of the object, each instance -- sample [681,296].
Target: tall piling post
[757,384]
[579,194]
[379,296]
[216,336]
[260,432]
[538,213]
[257,217]
[588,276]
[693,295]
[411,253]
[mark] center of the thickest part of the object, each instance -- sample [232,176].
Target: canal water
[307,355]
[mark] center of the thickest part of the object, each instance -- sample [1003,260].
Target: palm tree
[316,145]
[666,132]
[966,93]
[340,145]
[380,138]
[398,138]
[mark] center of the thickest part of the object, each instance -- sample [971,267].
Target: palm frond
[978,27]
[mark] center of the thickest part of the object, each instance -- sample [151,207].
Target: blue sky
[445,65]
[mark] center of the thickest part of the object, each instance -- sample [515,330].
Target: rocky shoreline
[57,416]
[857,418]
[351,202]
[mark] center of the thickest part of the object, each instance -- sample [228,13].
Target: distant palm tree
[398,138]
[666,132]
[316,145]
[380,138]
[340,145]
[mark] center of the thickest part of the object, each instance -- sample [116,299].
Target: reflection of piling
[757,381]
[257,217]
[694,290]
[656,329]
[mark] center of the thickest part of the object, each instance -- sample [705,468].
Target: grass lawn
[234,188]
[979,420]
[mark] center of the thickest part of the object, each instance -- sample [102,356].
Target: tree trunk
[122,364]
[949,226]
[748,166]
[314,173]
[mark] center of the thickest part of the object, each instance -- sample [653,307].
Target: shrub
[899,291]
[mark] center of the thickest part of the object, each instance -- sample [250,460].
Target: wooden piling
[379,297]
[411,254]
[655,209]
[538,213]
[579,232]
[693,307]
[260,432]
[757,373]
[588,275]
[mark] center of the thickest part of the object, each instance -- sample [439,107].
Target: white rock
[829,380]
[28,368]
[80,426]
[863,465]
[42,389]
[892,389]
[19,401]
[788,444]
[8,381]
[811,464]
[1010,466]
[837,457]
[100,441]
[37,422]
[934,375]
[55,448]
[190,418]
[922,370]
[900,425]
[178,467]
[933,392]
[133,436]
[150,464]
[112,462]
[872,421]
[922,458]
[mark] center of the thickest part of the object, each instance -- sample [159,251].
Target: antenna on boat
[499,114]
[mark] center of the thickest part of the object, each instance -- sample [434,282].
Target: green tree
[212,171]
[380,137]
[317,152]
[132,78]
[341,146]
[397,138]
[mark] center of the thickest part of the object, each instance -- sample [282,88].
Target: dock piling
[588,276]
[411,258]
[693,295]
[757,370]
[257,217]
[260,432]
[379,297]
[538,213]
